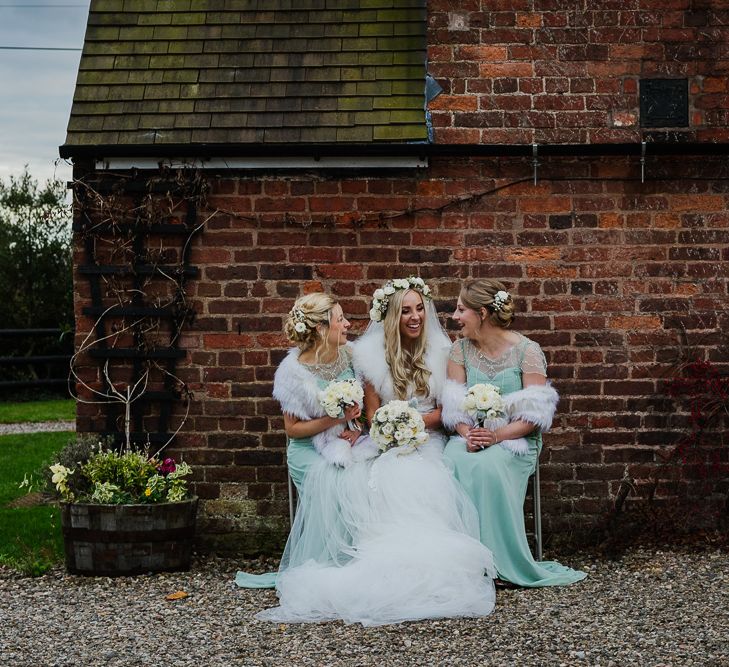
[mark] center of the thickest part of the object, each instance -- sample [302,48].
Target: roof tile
[251,72]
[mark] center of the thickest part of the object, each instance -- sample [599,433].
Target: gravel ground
[667,607]
[35,427]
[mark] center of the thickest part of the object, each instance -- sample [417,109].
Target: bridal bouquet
[484,402]
[341,394]
[397,424]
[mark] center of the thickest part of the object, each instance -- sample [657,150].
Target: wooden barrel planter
[116,540]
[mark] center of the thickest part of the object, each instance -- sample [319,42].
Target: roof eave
[423,150]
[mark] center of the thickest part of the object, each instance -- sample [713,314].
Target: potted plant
[123,512]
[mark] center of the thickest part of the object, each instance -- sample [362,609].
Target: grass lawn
[38,411]
[30,537]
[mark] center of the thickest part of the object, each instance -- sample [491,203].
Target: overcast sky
[36,87]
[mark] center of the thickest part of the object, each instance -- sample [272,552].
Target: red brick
[227,341]
[347,271]
[315,255]
[283,204]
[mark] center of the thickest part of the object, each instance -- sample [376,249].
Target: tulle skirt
[382,542]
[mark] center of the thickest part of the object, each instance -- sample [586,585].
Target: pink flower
[166,467]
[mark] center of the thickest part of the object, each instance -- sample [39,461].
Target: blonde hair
[479,293]
[407,364]
[310,310]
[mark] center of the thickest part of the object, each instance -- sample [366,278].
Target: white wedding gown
[402,544]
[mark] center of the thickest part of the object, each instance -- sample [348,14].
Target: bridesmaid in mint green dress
[323,475]
[494,464]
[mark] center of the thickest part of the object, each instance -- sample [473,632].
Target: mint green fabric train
[496,478]
[301,457]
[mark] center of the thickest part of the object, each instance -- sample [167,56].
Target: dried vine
[139,304]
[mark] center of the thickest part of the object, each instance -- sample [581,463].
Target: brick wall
[523,71]
[612,276]
[607,273]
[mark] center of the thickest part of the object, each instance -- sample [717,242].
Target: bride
[411,549]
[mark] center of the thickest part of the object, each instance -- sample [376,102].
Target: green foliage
[88,473]
[76,453]
[118,478]
[38,411]
[35,254]
[30,538]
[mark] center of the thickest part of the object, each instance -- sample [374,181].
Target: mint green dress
[300,453]
[495,479]
[320,503]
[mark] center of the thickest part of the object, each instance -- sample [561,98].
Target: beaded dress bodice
[506,371]
[339,369]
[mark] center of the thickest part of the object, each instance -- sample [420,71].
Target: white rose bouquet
[484,403]
[397,424]
[339,395]
[335,398]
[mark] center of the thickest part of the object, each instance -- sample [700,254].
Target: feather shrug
[296,388]
[535,404]
[371,366]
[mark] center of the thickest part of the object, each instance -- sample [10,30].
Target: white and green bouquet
[340,395]
[398,424]
[335,398]
[484,403]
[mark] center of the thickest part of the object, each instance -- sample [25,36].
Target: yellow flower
[148,492]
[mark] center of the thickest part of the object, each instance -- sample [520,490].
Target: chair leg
[292,503]
[537,496]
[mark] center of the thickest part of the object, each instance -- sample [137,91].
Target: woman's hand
[350,415]
[352,412]
[432,418]
[480,438]
[350,436]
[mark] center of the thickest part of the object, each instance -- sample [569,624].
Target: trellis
[136,236]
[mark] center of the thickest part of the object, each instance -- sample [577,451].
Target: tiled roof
[251,72]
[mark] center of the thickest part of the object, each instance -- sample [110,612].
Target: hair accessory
[500,298]
[300,320]
[381,297]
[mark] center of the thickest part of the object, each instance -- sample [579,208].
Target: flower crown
[500,299]
[299,320]
[381,297]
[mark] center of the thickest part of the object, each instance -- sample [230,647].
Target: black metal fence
[34,358]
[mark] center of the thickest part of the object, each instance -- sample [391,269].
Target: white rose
[300,327]
[388,290]
[501,295]
[375,315]
[379,294]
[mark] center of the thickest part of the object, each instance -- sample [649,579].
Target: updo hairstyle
[309,311]
[481,293]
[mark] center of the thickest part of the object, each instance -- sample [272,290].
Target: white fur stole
[295,387]
[535,404]
[370,366]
